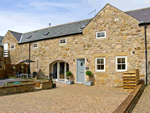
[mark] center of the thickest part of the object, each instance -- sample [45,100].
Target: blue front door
[81,70]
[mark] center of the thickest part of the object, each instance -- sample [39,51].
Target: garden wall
[19,88]
[46,85]
[129,103]
[2,74]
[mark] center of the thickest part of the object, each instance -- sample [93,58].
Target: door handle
[81,72]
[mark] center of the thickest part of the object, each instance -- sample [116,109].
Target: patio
[66,98]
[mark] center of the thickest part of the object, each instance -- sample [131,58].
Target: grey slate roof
[16,35]
[55,31]
[140,14]
[1,38]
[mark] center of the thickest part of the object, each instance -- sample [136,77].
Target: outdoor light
[73,60]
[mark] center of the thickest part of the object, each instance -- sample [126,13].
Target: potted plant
[69,81]
[89,74]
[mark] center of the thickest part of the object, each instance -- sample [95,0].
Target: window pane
[34,45]
[62,41]
[12,46]
[98,61]
[123,66]
[98,35]
[98,67]
[119,67]
[119,60]
[102,61]
[102,34]
[102,67]
[123,60]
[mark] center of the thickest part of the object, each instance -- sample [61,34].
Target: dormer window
[62,41]
[35,45]
[29,37]
[12,46]
[100,34]
[46,33]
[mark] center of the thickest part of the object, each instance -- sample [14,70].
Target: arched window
[5,54]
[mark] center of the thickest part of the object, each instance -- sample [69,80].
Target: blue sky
[27,15]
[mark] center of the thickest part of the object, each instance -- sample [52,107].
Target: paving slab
[65,99]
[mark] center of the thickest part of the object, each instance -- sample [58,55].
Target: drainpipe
[29,59]
[146,51]
[145,26]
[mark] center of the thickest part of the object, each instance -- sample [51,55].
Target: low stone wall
[2,73]
[18,88]
[129,103]
[108,80]
[46,85]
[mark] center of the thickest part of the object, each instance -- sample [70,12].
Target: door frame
[84,71]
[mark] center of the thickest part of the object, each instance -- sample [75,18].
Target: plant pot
[89,83]
[69,82]
[53,85]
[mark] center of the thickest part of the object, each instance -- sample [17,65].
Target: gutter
[145,26]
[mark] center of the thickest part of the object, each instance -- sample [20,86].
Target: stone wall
[123,36]
[2,74]
[46,85]
[19,88]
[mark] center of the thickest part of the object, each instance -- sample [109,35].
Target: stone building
[107,45]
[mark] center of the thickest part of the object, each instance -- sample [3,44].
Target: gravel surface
[143,105]
[65,99]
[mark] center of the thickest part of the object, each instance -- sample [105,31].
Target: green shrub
[67,78]
[89,73]
[68,73]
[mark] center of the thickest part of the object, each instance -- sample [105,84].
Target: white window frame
[62,43]
[100,32]
[33,45]
[125,63]
[96,64]
[11,45]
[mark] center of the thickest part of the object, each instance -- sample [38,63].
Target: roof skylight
[29,37]
[46,33]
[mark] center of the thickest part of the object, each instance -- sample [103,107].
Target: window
[29,37]
[62,41]
[12,46]
[100,64]
[46,33]
[101,34]
[121,63]
[35,45]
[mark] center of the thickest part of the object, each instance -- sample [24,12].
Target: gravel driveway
[65,99]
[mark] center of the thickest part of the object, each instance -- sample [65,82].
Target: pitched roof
[16,35]
[140,14]
[71,28]
[55,31]
[1,38]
